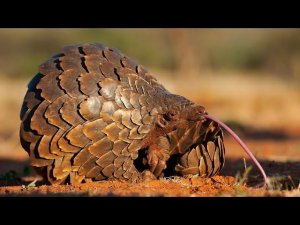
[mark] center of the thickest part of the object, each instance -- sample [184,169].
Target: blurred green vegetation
[275,51]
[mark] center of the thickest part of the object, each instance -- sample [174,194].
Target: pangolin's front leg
[157,155]
[159,149]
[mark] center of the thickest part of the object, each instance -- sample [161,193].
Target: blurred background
[249,78]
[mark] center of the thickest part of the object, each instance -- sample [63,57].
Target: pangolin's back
[86,113]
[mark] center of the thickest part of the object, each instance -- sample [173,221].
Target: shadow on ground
[14,172]
[285,175]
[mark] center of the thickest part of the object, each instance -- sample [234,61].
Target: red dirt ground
[174,187]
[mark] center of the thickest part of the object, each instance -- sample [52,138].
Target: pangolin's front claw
[157,158]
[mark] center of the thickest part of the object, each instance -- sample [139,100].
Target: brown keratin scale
[92,113]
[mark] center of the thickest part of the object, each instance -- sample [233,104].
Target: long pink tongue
[234,135]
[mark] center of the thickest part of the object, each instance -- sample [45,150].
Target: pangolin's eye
[166,117]
[170,116]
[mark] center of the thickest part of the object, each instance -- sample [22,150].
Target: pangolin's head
[196,135]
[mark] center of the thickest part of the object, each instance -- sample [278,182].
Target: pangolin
[92,113]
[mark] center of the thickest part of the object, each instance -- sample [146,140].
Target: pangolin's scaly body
[93,113]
